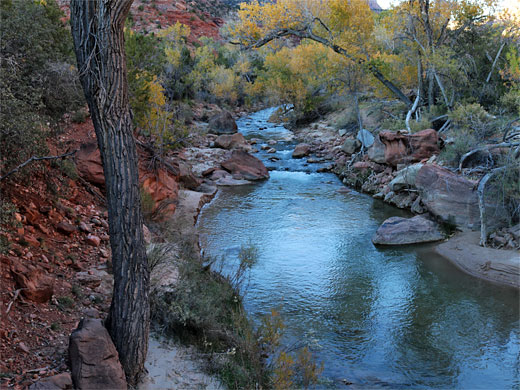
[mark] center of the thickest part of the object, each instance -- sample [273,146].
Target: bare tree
[97,30]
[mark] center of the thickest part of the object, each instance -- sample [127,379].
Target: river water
[378,318]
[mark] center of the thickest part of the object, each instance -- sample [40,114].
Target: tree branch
[306,33]
[34,158]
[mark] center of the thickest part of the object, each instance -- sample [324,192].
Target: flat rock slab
[495,265]
[401,231]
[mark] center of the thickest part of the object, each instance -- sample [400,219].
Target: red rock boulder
[448,196]
[222,123]
[35,283]
[301,150]
[94,360]
[228,141]
[409,148]
[244,166]
[164,191]
[88,164]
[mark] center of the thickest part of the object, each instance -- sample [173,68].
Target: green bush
[462,141]
[511,101]
[475,119]
[38,82]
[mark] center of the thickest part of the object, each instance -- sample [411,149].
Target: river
[398,317]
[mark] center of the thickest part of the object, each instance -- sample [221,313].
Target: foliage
[475,119]
[289,370]
[204,308]
[462,141]
[38,82]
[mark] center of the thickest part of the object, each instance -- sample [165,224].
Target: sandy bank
[495,265]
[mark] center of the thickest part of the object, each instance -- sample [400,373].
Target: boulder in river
[301,150]
[243,166]
[401,231]
[232,141]
[222,123]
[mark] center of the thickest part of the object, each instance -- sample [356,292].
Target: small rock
[61,381]
[301,150]
[271,150]
[84,227]
[24,348]
[66,228]
[93,240]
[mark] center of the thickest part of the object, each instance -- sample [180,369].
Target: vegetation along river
[399,317]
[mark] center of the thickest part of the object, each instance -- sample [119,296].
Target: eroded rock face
[409,148]
[243,166]
[448,196]
[35,283]
[222,123]
[164,190]
[93,358]
[88,164]
[301,150]
[401,231]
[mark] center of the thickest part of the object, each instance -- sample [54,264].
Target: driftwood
[35,158]
[486,149]
[507,134]
[482,204]
[412,110]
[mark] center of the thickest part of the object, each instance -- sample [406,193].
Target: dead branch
[486,149]
[482,204]
[16,293]
[34,158]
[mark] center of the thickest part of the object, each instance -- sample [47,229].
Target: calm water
[380,318]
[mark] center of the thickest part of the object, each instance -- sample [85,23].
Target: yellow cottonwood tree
[346,27]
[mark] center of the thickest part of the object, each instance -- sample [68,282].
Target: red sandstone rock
[164,190]
[36,285]
[88,164]
[93,240]
[448,196]
[66,228]
[235,141]
[409,148]
[244,166]
[301,150]
[93,357]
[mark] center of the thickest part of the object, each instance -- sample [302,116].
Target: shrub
[511,101]
[462,141]
[38,82]
[473,118]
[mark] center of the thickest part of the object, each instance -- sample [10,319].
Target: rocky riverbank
[403,170]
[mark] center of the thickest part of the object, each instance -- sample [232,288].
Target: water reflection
[397,317]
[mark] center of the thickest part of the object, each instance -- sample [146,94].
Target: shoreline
[497,266]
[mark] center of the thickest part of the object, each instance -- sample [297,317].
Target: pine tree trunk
[97,30]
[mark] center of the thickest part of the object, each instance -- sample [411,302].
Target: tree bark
[97,30]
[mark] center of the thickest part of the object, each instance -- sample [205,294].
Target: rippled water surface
[396,318]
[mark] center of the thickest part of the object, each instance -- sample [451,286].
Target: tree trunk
[97,30]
